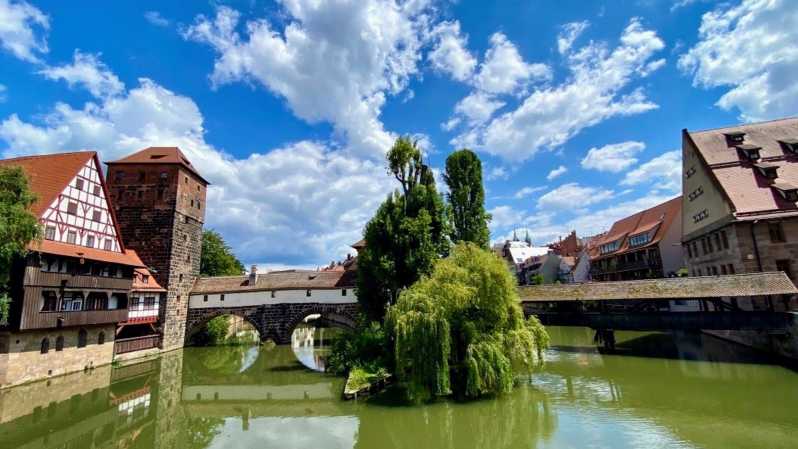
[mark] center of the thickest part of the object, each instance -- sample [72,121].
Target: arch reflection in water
[684,391]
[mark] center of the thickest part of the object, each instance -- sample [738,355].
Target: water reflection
[311,345]
[684,391]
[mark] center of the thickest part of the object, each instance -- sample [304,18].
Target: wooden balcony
[125,345]
[36,277]
[43,320]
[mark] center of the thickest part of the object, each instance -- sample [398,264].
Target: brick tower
[159,199]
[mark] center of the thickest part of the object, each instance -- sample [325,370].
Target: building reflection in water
[685,392]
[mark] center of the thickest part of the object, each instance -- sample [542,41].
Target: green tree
[461,330]
[469,222]
[405,236]
[18,226]
[217,258]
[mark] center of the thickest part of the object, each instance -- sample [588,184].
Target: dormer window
[787,191]
[610,247]
[790,145]
[768,170]
[735,137]
[750,152]
[640,239]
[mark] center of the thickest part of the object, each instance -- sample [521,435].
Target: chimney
[253,275]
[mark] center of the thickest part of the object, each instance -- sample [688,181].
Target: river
[656,391]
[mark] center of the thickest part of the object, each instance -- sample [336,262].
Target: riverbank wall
[782,343]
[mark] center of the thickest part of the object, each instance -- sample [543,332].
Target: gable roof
[749,192]
[160,156]
[276,280]
[49,174]
[657,219]
[126,257]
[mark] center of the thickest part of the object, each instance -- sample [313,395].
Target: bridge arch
[196,322]
[337,315]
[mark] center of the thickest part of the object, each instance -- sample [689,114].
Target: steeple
[527,239]
[515,237]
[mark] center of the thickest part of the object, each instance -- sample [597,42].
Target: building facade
[70,291]
[740,199]
[642,246]
[159,198]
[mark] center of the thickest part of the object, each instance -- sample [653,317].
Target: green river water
[656,391]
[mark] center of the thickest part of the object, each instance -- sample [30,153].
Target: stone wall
[21,359]
[275,321]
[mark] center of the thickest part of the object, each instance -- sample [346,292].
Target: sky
[287,107]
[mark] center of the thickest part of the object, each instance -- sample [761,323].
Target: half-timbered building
[70,291]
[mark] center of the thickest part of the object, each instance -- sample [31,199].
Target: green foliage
[461,330]
[18,226]
[537,279]
[217,258]
[405,236]
[469,221]
[363,347]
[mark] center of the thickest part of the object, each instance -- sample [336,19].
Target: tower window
[307,293]
[343,292]
[204,298]
[101,338]
[45,347]
[82,337]
[221,297]
[59,343]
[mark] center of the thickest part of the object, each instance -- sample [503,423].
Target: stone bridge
[276,321]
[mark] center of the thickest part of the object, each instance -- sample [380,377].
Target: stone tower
[159,199]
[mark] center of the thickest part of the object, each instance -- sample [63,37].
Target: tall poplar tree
[217,259]
[406,235]
[469,222]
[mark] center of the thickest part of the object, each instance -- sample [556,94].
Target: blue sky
[287,107]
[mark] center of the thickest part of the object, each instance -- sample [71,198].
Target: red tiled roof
[159,155]
[750,192]
[661,217]
[151,285]
[128,257]
[48,175]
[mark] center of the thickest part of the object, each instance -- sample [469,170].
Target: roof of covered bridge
[276,280]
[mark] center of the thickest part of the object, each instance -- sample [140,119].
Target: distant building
[741,199]
[644,245]
[71,290]
[524,259]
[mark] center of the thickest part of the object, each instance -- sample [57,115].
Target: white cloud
[332,61]
[569,33]
[556,172]
[664,172]
[504,216]
[527,191]
[751,49]
[450,53]
[310,203]
[613,158]
[498,173]
[20,24]
[476,108]
[568,196]
[155,18]
[86,70]
[504,70]
[596,91]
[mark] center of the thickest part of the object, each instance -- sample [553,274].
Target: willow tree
[469,221]
[405,236]
[18,225]
[461,330]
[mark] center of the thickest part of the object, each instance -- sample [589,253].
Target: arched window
[59,343]
[82,334]
[101,338]
[45,345]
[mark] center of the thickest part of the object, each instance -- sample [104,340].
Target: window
[192,203]
[307,292]
[695,248]
[49,232]
[141,176]
[776,232]
[72,237]
[689,172]
[119,175]
[199,206]
[164,175]
[108,244]
[689,251]
[714,270]
[709,243]
[59,343]
[49,301]
[343,292]
[784,265]
[186,180]
[82,337]
[97,216]
[639,239]
[790,145]
[72,208]
[717,241]
[272,293]
[79,184]
[97,190]
[140,194]
[72,301]
[101,338]
[90,241]
[609,247]
[724,239]
[221,297]
[704,246]
[45,345]
[205,298]
[750,152]
[723,269]
[696,193]
[735,137]
[700,272]
[160,194]
[700,216]
[731,268]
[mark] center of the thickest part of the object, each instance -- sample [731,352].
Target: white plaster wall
[257,298]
